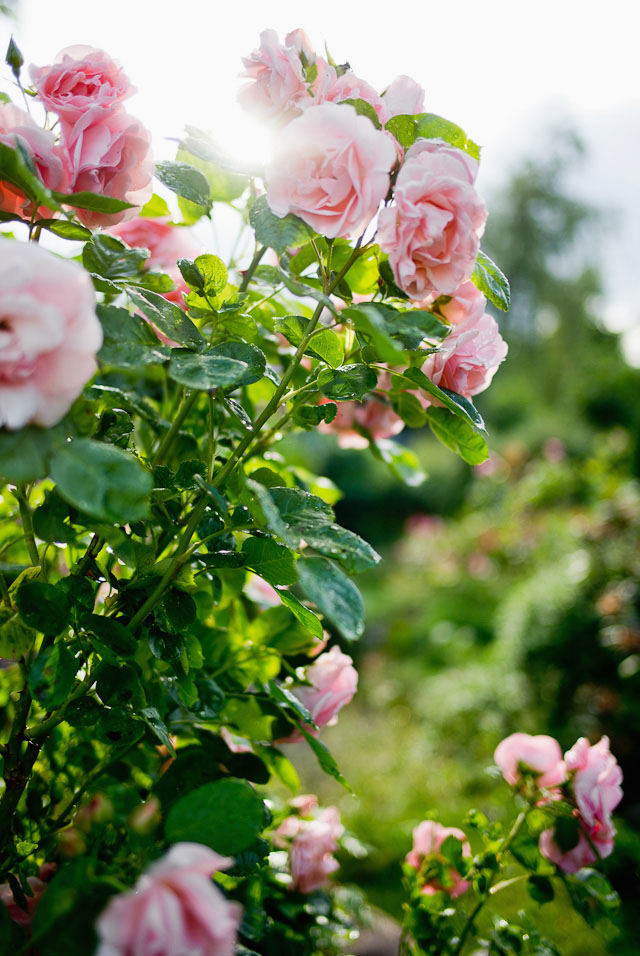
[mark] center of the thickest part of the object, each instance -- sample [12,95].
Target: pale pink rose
[312,844]
[174,909]
[278,84]
[378,419]
[539,755]
[432,230]
[468,358]
[404,97]
[261,592]
[334,89]
[16,913]
[467,304]
[81,77]
[596,779]
[428,837]
[39,144]
[49,334]
[304,804]
[331,169]
[109,153]
[334,681]
[166,243]
[570,861]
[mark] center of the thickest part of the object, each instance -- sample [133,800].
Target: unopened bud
[97,811]
[144,819]
[71,842]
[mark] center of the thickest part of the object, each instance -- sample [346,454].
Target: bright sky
[499,68]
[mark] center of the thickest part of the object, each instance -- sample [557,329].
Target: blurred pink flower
[432,229]
[312,843]
[428,837]
[49,334]
[539,755]
[81,77]
[174,908]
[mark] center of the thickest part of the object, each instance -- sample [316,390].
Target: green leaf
[272,561]
[156,206]
[324,344]
[65,229]
[111,638]
[225,182]
[168,318]
[15,169]
[43,607]
[540,888]
[591,894]
[458,435]
[103,480]
[407,406]
[251,355]
[334,594]
[457,404]
[49,519]
[52,676]
[352,551]
[16,639]
[205,369]
[402,461]
[184,180]
[407,129]
[491,280]
[87,200]
[214,273]
[13,938]
[325,759]
[285,696]
[280,765]
[271,230]
[129,341]
[14,58]
[24,454]
[109,257]
[157,725]
[363,108]
[371,320]
[347,383]
[226,815]
[306,416]
[307,618]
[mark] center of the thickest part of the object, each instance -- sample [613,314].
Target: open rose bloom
[333,681]
[17,127]
[428,837]
[174,910]
[538,755]
[49,334]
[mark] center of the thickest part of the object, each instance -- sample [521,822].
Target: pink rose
[376,417]
[278,83]
[334,89]
[469,357]
[49,334]
[16,125]
[428,837]
[16,913]
[312,844]
[594,780]
[173,909]
[109,153]
[334,681]
[80,78]
[404,97]
[166,243]
[466,304]
[432,230]
[539,755]
[331,169]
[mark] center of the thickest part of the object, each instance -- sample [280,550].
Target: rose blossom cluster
[333,168]
[101,148]
[588,777]
[173,908]
[311,838]
[425,856]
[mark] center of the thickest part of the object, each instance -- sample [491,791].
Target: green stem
[188,400]
[17,765]
[253,265]
[4,590]
[504,846]
[42,729]
[27,525]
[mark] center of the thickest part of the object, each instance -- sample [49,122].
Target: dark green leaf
[15,168]
[226,815]
[279,234]
[129,341]
[306,416]
[243,352]
[458,435]
[270,560]
[16,639]
[184,180]
[49,521]
[347,383]
[108,633]
[491,280]
[24,454]
[65,229]
[52,676]
[540,888]
[102,480]
[109,257]
[457,404]
[325,759]
[285,696]
[334,594]
[205,370]
[44,607]
[168,318]
[591,894]
[306,617]
[352,551]
[64,919]
[155,722]
[87,200]
[14,58]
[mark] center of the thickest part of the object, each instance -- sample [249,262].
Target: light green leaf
[204,370]
[168,318]
[277,233]
[492,281]
[272,561]
[185,180]
[458,435]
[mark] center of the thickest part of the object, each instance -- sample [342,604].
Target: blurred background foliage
[509,597]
